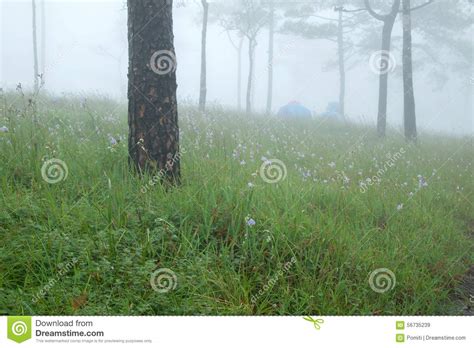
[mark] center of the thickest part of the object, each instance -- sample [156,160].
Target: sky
[86,53]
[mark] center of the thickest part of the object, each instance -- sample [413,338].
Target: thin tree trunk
[388,22]
[35,50]
[408,92]
[239,75]
[248,108]
[342,68]
[383,80]
[271,30]
[254,82]
[203,86]
[43,39]
[152,110]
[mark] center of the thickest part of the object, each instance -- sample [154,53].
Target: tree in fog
[224,14]
[409,113]
[307,22]
[271,34]
[251,18]
[43,39]
[409,110]
[152,110]
[385,58]
[238,47]
[35,49]
[247,18]
[202,85]
[442,25]
[443,45]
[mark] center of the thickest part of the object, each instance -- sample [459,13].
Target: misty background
[86,53]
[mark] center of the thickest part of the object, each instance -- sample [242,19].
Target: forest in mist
[85,51]
[236,157]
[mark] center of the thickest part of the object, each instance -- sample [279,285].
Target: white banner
[314,331]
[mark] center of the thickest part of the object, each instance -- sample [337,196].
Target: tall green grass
[97,236]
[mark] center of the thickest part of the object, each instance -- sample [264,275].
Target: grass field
[229,240]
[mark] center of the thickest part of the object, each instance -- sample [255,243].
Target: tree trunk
[342,69]
[203,86]
[152,110]
[254,82]
[383,83]
[248,108]
[43,39]
[35,50]
[239,75]
[408,92]
[271,30]
[388,22]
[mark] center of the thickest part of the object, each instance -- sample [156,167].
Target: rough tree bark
[408,92]
[35,50]
[252,44]
[271,33]
[152,110]
[388,22]
[203,85]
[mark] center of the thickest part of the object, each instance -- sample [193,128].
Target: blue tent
[332,110]
[294,110]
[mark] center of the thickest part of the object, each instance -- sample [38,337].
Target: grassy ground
[234,244]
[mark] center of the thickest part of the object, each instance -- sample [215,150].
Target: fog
[86,53]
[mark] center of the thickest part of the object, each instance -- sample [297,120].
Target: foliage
[317,215]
